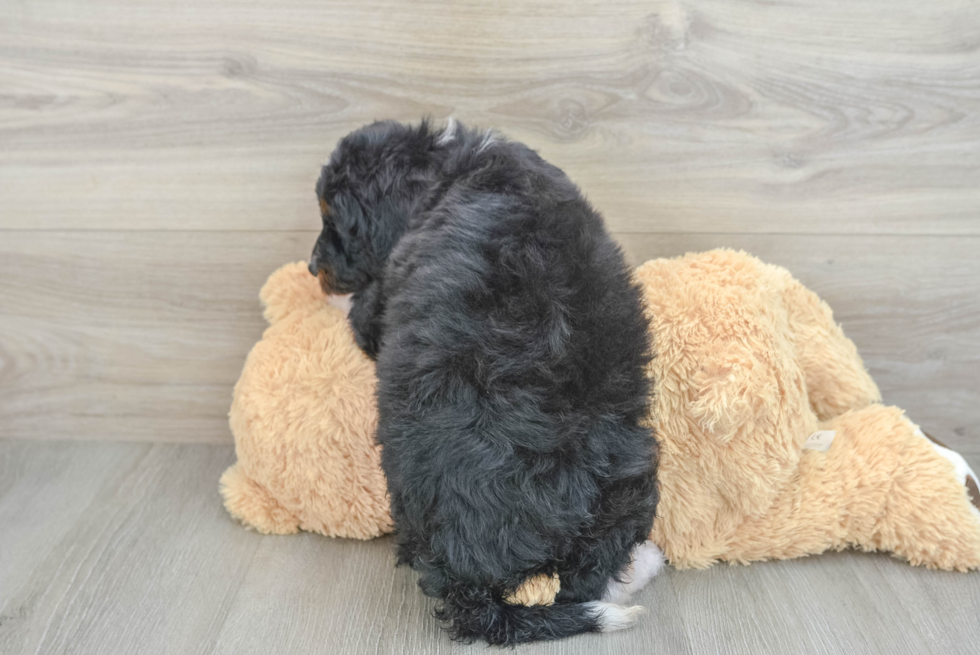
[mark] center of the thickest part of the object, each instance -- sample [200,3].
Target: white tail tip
[614,617]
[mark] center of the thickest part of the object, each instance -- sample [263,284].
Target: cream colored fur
[749,363]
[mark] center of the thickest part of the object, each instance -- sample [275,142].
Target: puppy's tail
[479,614]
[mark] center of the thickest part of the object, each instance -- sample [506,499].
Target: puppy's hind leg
[612,612]
[586,580]
[608,616]
[648,561]
[623,517]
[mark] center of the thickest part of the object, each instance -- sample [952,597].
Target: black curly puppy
[511,346]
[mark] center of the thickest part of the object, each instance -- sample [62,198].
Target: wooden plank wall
[157,161]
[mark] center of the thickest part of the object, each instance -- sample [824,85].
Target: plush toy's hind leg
[930,517]
[880,486]
[251,504]
[836,380]
[964,473]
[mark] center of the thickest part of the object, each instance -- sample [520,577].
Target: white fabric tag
[820,441]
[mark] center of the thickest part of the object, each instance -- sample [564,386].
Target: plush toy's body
[749,365]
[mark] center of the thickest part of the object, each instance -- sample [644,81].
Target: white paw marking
[648,561]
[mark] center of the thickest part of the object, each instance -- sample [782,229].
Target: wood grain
[145,561]
[130,335]
[674,115]
[125,548]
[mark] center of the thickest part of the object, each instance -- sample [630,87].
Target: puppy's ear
[345,258]
[392,220]
[335,240]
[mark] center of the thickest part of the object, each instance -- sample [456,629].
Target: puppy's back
[511,394]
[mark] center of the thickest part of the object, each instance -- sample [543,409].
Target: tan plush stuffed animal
[303,417]
[773,441]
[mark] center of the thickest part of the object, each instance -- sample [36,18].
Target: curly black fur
[511,348]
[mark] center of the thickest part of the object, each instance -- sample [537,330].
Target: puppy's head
[367,191]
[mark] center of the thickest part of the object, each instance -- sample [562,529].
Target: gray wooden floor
[125,548]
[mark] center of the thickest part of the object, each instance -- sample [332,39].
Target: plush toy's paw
[648,561]
[250,503]
[964,474]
